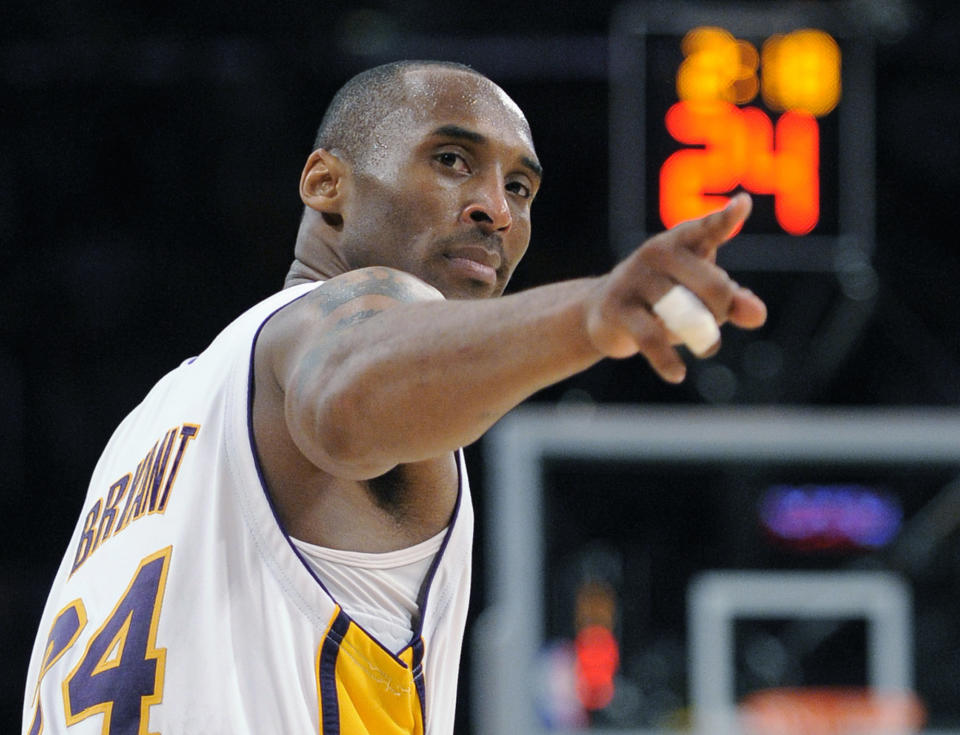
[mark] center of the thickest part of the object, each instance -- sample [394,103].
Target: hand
[619,317]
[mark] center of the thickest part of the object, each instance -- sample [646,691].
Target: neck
[302,273]
[315,257]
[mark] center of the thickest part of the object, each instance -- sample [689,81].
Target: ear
[322,183]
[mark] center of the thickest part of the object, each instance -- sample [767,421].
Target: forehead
[438,97]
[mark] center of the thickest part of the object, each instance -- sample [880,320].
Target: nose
[490,210]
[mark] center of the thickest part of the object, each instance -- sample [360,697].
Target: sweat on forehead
[373,102]
[430,89]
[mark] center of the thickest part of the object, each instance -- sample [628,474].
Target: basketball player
[278,538]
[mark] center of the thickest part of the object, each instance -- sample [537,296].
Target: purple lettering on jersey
[125,517]
[140,488]
[121,672]
[86,537]
[187,432]
[114,496]
[159,468]
[63,633]
[36,727]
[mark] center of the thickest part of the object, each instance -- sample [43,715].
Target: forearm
[383,372]
[424,378]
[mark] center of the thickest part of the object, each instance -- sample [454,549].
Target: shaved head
[365,102]
[427,167]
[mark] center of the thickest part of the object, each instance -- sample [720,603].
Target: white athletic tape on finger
[686,316]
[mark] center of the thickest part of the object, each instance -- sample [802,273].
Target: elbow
[327,428]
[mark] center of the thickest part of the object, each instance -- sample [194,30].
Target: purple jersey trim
[329,702]
[417,661]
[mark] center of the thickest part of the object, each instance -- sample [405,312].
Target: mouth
[476,263]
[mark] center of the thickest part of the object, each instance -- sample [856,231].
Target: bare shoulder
[333,307]
[378,281]
[299,350]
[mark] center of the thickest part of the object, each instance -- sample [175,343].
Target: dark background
[149,158]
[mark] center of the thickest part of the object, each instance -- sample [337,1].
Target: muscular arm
[377,370]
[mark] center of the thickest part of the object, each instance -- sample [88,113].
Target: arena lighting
[831,711]
[829,517]
[596,647]
[598,657]
[742,147]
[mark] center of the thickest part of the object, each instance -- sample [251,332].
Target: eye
[452,160]
[519,188]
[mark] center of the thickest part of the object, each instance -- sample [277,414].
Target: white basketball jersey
[181,607]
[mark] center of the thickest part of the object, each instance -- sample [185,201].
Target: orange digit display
[801,71]
[717,67]
[742,147]
[688,177]
[785,163]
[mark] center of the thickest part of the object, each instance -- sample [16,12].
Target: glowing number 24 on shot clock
[737,146]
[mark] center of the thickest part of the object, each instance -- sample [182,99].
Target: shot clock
[741,146]
[708,99]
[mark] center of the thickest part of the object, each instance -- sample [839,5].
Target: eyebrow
[457,132]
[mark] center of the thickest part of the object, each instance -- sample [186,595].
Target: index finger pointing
[703,236]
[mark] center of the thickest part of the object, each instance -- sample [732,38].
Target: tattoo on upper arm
[355,318]
[369,282]
[332,296]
